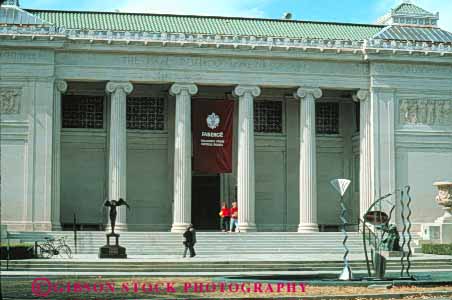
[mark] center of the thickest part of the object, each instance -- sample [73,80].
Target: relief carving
[425,112]
[9,101]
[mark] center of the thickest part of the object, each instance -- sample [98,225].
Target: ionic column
[117,167]
[245,169]
[60,88]
[182,155]
[308,157]
[366,161]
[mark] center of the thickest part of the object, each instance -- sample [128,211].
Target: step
[213,267]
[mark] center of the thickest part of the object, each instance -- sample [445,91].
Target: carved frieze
[9,101]
[425,112]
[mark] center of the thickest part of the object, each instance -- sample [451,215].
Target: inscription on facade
[196,64]
[425,112]
[8,56]
[9,101]
[412,70]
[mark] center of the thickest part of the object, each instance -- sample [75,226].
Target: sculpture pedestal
[444,198]
[112,251]
[441,230]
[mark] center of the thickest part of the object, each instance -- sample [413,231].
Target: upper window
[268,116]
[146,113]
[327,118]
[82,111]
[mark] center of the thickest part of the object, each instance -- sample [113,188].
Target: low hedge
[439,249]
[17,251]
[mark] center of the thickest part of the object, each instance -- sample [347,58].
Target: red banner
[212,135]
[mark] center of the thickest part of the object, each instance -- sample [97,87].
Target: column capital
[178,88]
[241,90]
[113,86]
[303,92]
[61,86]
[361,95]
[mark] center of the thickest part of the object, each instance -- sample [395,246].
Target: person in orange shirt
[225,217]
[234,217]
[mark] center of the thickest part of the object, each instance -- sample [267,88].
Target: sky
[352,11]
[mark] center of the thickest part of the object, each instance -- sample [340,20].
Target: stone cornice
[113,86]
[178,88]
[362,47]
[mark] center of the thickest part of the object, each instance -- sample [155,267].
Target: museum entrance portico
[161,187]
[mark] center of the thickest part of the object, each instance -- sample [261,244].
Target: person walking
[225,217]
[234,212]
[189,241]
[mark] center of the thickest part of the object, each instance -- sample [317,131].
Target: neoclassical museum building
[177,113]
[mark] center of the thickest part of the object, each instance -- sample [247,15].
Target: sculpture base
[446,218]
[112,251]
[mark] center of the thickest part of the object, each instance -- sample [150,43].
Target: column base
[180,227]
[308,227]
[42,226]
[247,227]
[56,227]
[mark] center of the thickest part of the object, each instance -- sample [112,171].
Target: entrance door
[205,203]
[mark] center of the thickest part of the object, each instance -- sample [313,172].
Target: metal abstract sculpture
[341,186]
[378,219]
[383,236]
[113,204]
[406,231]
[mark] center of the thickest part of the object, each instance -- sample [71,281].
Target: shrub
[16,251]
[439,249]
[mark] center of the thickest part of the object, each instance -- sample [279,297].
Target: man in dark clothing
[189,240]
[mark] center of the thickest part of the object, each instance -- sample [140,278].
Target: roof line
[402,4]
[203,16]
[382,31]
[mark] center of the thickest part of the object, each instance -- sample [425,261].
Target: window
[327,118]
[83,111]
[268,116]
[145,113]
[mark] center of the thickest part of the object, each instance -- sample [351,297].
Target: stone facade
[50,173]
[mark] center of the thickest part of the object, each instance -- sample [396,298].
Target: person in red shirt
[225,217]
[234,217]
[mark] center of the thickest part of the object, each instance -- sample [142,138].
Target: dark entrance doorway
[205,202]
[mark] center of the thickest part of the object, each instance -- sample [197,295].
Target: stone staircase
[211,244]
[217,253]
[211,267]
